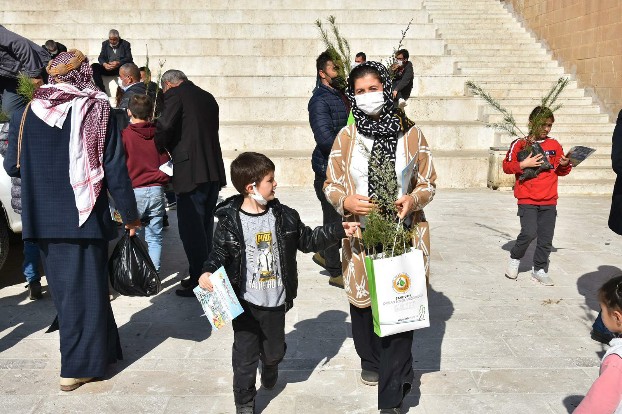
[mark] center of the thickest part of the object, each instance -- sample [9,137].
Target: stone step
[209,5]
[493,47]
[269,65]
[595,160]
[247,47]
[231,31]
[568,185]
[231,16]
[509,82]
[567,109]
[533,94]
[559,118]
[272,109]
[473,62]
[512,70]
[509,31]
[589,172]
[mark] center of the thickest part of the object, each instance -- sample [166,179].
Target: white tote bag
[399,295]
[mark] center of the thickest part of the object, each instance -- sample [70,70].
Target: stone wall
[586,37]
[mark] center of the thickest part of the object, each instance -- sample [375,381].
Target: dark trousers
[257,334]
[99,71]
[195,219]
[77,275]
[330,215]
[391,357]
[535,221]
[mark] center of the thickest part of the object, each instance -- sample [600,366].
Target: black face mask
[338,83]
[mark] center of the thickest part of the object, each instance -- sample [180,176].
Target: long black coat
[188,129]
[615,216]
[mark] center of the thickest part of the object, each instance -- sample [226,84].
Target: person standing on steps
[328,113]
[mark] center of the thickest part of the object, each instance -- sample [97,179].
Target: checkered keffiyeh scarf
[76,90]
[384,130]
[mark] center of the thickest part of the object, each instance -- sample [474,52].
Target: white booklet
[578,154]
[221,305]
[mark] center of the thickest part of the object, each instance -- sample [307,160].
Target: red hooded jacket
[541,190]
[142,157]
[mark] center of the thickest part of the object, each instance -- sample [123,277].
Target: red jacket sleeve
[511,165]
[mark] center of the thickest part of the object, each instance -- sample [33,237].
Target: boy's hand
[358,204]
[404,205]
[350,227]
[531,161]
[564,161]
[205,283]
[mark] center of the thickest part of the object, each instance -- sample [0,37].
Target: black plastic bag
[131,270]
[532,172]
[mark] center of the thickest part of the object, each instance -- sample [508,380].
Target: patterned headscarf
[384,130]
[72,88]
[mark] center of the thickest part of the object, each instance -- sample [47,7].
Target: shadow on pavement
[427,343]
[571,402]
[312,344]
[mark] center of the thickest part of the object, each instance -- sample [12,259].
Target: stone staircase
[491,48]
[258,59]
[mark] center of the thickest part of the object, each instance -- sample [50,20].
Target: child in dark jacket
[256,240]
[537,197]
[143,165]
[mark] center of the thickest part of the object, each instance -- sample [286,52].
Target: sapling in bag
[398,290]
[131,270]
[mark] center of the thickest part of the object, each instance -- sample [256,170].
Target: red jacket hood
[146,130]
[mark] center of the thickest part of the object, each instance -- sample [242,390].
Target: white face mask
[120,83]
[370,103]
[258,197]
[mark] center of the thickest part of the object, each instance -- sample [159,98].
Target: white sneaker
[402,103]
[511,272]
[542,277]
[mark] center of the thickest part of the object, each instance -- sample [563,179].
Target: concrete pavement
[494,345]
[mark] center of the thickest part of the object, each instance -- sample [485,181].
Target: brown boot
[336,281]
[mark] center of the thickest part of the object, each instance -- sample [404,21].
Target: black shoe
[602,337]
[269,375]
[248,408]
[369,377]
[34,290]
[396,410]
[186,293]
[186,283]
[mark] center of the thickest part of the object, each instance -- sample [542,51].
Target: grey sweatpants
[535,222]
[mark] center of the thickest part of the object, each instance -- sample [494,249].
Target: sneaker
[369,377]
[248,408]
[401,103]
[34,290]
[511,272]
[542,277]
[396,410]
[319,260]
[602,337]
[269,375]
[336,281]
[70,384]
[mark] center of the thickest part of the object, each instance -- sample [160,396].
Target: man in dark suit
[54,48]
[129,76]
[115,53]
[188,129]
[66,174]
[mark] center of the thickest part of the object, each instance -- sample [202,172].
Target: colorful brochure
[221,305]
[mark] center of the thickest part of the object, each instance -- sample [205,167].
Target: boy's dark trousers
[535,221]
[257,334]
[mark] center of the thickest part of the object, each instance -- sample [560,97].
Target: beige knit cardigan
[339,184]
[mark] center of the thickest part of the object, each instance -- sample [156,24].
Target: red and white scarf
[89,122]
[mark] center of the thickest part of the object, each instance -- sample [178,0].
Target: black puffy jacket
[328,113]
[228,248]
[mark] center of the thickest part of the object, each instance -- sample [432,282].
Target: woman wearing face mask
[350,186]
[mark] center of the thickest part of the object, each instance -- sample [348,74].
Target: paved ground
[495,345]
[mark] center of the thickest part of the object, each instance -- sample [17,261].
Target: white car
[9,219]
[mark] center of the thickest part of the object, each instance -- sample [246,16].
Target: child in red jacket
[537,197]
[143,165]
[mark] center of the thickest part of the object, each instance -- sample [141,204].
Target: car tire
[4,239]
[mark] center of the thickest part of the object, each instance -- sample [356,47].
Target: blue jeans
[150,203]
[32,256]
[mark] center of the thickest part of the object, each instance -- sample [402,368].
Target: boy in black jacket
[256,240]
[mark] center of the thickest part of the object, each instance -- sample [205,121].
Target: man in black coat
[54,48]
[328,113]
[115,53]
[188,129]
[615,215]
[129,76]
